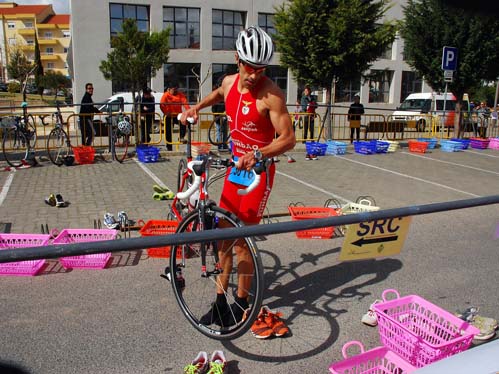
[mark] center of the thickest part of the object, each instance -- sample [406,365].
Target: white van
[113,102]
[416,110]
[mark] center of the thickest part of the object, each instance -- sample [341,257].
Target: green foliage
[55,81]
[135,56]
[14,87]
[325,40]
[432,24]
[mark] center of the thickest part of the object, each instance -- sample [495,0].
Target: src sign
[379,238]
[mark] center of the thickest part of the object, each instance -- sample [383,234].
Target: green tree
[325,41]
[20,68]
[430,25]
[39,68]
[55,81]
[135,56]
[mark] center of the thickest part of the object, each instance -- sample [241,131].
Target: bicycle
[197,270]
[18,141]
[120,133]
[59,147]
[218,133]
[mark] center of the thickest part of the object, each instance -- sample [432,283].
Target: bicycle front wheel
[232,273]
[58,146]
[15,147]
[30,130]
[121,143]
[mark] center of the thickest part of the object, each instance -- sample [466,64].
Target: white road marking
[6,187]
[409,176]
[452,163]
[151,174]
[314,187]
[481,153]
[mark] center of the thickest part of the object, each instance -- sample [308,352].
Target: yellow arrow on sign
[378,238]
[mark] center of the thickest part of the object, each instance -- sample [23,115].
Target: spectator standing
[483,112]
[87,109]
[221,121]
[308,105]
[354,114]
[171,104]
[147,109]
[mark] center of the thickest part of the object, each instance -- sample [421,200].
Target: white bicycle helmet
[254,46]
[125,127]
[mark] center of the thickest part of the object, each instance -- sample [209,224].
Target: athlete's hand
[189,113]
[246,162]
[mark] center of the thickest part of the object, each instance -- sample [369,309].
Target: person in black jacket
[87,108]
[147,109]
[354,113]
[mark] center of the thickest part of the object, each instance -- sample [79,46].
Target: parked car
[4,87]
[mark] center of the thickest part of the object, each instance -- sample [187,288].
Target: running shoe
[308,157]
[122,219]
[370,318]
[260,329]
[218,363]
[274,322]
[110,221]
[291,160]
[59,201]
[51,200]
[198,365]
[313,157]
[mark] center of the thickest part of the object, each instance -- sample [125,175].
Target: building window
[50,65]
[30,42]
[47,35]
[49,51]
[185,76]
[12,41]
[66,33]
[346,90]
[184,26]
[279,75]
[226,24]
[120,12]
[387,55]
[379,86]
[28,25]
[65,50]
[220,71]
[11,25]
[411,83]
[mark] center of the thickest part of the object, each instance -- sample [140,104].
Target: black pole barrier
[56,251]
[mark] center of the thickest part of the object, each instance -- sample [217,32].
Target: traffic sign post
[449,58]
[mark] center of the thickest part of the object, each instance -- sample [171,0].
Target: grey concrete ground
[124,319]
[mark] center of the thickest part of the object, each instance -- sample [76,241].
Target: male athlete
[256,111]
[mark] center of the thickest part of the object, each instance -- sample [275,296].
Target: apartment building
[202,46]
[21,25]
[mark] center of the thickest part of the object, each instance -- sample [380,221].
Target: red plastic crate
[417,147]
[300,213]
[22,268]
[159,227]
[84,154]
[94,261]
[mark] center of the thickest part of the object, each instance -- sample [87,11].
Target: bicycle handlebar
[189,119]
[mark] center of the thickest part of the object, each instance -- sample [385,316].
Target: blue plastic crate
[336,148]
[381,146]
[316,148]
[364,147]
[464,142]
[450,146]
[432,142]
[147,154]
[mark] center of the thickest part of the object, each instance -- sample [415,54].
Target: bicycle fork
[208,221]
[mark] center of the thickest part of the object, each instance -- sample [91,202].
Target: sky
[60,6]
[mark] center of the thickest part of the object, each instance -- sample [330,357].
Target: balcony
[48,56]
[47,41]
[45,26]
[26,32]
[28,48]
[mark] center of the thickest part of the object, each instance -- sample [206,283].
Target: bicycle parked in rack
[230,266]
[18,141]
[59,147]
[218,133]
[120,132]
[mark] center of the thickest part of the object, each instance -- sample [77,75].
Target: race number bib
[242,177]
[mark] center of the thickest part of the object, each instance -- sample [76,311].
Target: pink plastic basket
[419,331]
[22,268]
[95,261]
[379,360]
[494,143]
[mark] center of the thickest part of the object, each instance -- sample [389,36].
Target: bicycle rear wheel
[15,147]
[120,148]
[58,146]
[242,275]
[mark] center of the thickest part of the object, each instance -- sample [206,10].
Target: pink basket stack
[22,268]
[419,331]
[379,360]
[494,143]
[93,261]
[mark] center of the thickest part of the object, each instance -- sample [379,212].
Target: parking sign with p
[449,58]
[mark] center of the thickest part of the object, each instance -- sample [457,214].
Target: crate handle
[390,290]
[348,345]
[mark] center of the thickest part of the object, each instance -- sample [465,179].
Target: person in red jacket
[171,105]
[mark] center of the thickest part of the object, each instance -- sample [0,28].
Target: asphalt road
[124,319]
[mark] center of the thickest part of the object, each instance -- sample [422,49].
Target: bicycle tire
[15,147]
[212,134]
[196,293]
[58,146]
[30,127]
[121,143]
